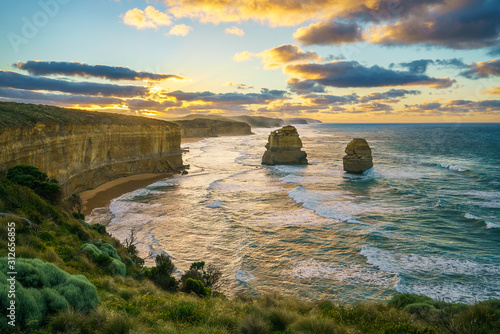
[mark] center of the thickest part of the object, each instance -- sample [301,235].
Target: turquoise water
[425,219]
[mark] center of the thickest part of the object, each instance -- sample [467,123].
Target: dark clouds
[353,74]
[38,68]
[391,95]
[466,24]
[15,80]
[60,99]
[264,96]
[483,69]
[417,66]
[304,86]
[331,32]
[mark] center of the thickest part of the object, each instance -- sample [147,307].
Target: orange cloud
[234,31]
[180,30]
[492,91]
[273,12]
[149,18]
[279,56]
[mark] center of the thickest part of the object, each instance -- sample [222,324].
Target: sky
[345,61]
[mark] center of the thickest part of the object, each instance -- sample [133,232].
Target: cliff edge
[83,149]
[209,127]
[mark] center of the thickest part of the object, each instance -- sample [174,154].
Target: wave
[469,216]
[490,225]
[453,167]
[348,274]
[314,201]
[414,264]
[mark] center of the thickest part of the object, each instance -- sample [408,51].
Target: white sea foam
[469,216]
[413,264]
[492,225]
[453,167]
[348,274]
[244,276]
[291,178]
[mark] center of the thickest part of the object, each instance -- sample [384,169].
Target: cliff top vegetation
[14,114]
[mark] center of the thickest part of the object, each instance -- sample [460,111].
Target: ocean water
[425,219]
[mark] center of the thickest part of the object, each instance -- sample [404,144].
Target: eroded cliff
[205,127]
[85,149]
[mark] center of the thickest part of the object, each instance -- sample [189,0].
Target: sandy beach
[101,196]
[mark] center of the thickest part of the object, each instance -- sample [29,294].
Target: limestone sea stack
[284,148]
[359,156]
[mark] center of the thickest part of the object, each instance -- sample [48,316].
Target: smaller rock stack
[284,148]
[359,156]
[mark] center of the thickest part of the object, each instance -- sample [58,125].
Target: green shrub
[421,310]
[187,312]
[280,319]
[106,256]
[33,178]
[197,287]
[43,289]
[161,274]
[68,321]
[253,324]
[99,228]
[210,275]
[315,325]
[400,301]
[118,323]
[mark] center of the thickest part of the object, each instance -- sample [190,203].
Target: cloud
[59,99]
[234,31]
[417,66]
[492,91]
[465,24]
[304,86]
[149,104]
[265,96]
[10,79]
[454,62]
[238,85]
[454,106]
[482,69]
[353,74]
[36,67]
[149,18]
[390,95]
[329,33]
[279,56]
[180,30]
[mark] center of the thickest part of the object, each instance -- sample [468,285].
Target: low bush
[253,324]
[33,178]
[161,275]
[43,289]
[105,256]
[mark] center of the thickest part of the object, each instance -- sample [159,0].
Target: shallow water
[425,219]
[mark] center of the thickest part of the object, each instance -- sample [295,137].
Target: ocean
[425,219]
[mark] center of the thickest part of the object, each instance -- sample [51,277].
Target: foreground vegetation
[75,278]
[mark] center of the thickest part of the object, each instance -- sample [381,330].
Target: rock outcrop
[83,150]
[205,127]
[359,156]
[284,148]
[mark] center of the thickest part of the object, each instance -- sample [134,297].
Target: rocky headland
[208,127]
[358,156]
[284,148]
[83,149]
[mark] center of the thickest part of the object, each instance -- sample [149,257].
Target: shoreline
[102,195]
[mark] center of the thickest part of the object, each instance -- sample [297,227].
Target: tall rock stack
[359,156]
[284,148]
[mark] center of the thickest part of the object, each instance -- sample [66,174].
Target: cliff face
[82,156]
[204,127]
[284,148]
